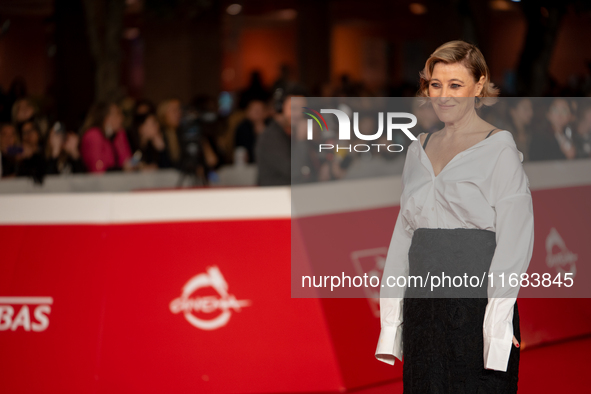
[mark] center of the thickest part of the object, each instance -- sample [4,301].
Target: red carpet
[562,367]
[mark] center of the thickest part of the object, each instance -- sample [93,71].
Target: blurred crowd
[545,128]
[252,127]
[131,135]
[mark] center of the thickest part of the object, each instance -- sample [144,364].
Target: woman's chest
[107,153]
[465,180]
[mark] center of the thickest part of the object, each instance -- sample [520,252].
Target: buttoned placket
[429,166]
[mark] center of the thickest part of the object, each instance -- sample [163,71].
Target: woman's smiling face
[452,90]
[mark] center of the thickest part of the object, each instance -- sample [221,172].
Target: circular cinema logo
[206,302]
[558,255]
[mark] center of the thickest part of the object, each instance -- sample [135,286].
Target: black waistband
[453,252]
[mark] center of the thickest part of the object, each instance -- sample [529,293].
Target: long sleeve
[91,152]
[391,298]
[514,230]
[122,146]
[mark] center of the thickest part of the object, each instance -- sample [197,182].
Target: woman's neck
[465,125]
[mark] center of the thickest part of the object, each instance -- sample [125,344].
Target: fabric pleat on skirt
[442,336]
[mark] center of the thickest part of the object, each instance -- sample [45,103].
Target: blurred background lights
[234,9]
[417,8]
[500,5]
[287,14]
[131,33]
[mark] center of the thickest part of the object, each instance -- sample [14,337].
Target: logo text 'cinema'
[218,306]
[344,133]
[26,313]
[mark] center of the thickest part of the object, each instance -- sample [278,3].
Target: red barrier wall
[111,328]
[112,317]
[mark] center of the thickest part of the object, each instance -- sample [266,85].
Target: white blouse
[483,187]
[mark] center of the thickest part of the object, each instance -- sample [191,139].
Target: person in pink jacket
[104,145]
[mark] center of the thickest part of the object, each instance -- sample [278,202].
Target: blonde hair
[21,101]
[170,133]
[162,110]
[467,55]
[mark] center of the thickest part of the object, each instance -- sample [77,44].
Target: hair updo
[470,57]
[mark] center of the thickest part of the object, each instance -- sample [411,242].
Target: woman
[582,137]
[148,142]
[104,145]
[466,208]
[62,153]
[31,161]
[25,110]
[169,116]
[554,141]
[10,149]
[520,114]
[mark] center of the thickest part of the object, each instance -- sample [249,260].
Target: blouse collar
[504,136]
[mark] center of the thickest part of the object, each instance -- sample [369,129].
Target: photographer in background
[201,154]
[255,121]
[273,147]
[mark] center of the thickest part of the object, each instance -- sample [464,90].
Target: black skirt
[442,337]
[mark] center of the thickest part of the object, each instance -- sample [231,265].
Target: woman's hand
[71,145]
[55,141]
[147,167]
[515,343]
[129,166]
[566,146]
[158,142]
